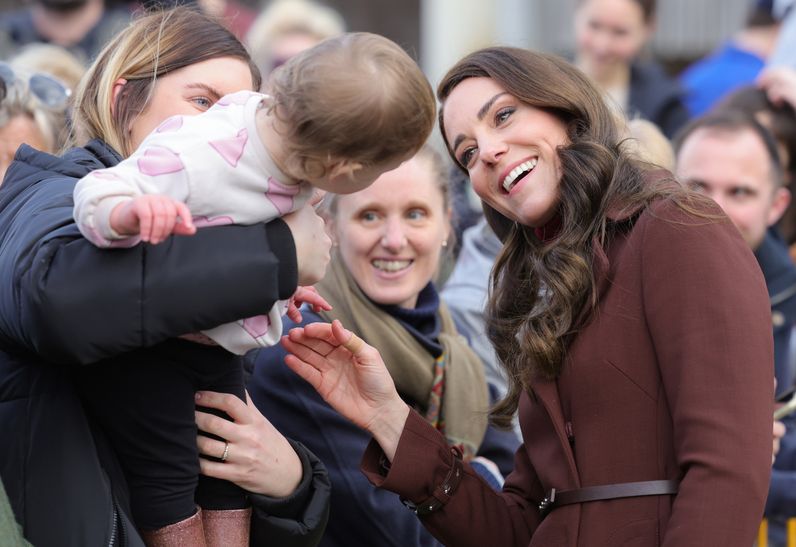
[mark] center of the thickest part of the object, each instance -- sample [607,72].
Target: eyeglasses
[47,90]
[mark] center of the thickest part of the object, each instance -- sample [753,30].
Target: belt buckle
[547,503]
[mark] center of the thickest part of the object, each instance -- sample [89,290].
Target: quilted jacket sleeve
[69,301]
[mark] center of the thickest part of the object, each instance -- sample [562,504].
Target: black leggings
[144,400]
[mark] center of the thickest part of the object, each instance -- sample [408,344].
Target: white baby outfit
[215,163]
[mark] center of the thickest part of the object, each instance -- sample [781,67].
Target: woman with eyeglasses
[34,111]
[65,303]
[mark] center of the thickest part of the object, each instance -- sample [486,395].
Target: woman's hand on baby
[153,217]
[305,295]
[258,457]
[351,376]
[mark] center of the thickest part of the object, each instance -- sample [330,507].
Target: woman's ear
[117,88]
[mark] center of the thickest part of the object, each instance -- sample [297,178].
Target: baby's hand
[310,296]
[153,217]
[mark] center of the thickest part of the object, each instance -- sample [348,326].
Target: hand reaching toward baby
[153,217]
[351,376]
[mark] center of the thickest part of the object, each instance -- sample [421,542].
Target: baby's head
[349,109]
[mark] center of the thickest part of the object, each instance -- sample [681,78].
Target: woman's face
[391,234]
[191,90]
[508,148]
[609,33]
[19,129]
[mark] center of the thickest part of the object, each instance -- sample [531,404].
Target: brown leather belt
[607,492]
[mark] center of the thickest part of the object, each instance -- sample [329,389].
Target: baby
[335,117]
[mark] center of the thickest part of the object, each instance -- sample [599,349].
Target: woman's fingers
[211,447]
[348,339]
[321,346]
[218,470]
[309,373]
[226,402]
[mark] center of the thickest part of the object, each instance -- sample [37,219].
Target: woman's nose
[492,150]
[394,236]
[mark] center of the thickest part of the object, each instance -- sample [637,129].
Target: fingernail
[198,395]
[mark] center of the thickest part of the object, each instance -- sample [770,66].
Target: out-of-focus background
[440,31]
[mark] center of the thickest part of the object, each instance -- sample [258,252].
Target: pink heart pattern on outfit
[257,326]
[171,124]
[231,149]
[204,222]
[159,160]
[103,174]
[281,195]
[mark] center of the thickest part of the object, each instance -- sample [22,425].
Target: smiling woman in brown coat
[630,316]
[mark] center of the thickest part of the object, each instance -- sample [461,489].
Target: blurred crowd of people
[725,127]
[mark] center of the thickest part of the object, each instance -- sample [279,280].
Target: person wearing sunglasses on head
[34,111]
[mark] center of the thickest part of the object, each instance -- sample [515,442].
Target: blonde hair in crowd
[646,142]
[357,97]
[50,59]
[286,17]
[151,46]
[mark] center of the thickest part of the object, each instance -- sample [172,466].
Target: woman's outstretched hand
[350,375]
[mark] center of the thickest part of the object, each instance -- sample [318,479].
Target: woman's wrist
[388,426]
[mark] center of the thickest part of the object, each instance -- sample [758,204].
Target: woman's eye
[368,216]
[202,102]
[416,214]
[466,157]
[503,115]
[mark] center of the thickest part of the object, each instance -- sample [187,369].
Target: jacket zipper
[114,516]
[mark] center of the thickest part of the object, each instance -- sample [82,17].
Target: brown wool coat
[671,378]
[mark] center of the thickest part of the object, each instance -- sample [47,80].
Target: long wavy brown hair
[542,292]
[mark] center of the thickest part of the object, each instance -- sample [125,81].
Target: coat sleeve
[423,460]
[707,309]
[69,301]
[300,519]
[361,514]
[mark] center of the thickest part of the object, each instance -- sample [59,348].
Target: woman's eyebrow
[487,105]
[480,115]
[208,88]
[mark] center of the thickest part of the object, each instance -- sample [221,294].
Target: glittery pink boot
[227,528]
[186,533]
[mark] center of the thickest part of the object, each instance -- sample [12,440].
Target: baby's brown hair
[358,97]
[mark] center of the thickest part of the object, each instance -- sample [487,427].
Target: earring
[444,243]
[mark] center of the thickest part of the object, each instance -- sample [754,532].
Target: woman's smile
[518,173]
[509,148]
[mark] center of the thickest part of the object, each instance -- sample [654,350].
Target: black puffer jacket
[64,302]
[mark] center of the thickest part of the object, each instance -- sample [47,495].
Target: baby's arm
[307,295]
[152,217]
[134,197]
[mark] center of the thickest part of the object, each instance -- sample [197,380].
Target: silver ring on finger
[226,452]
